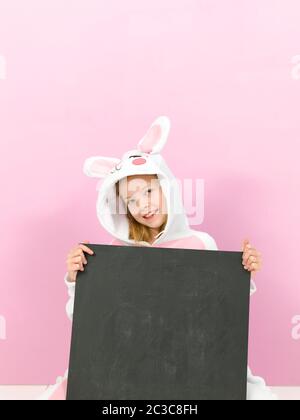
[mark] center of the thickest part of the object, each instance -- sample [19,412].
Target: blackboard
[160,324]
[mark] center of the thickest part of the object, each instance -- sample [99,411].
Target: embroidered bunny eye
[116,168]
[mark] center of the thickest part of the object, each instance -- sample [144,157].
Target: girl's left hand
[251,258]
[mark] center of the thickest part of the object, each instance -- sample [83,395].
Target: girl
[139,204]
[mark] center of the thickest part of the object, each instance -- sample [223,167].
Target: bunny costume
[146,160]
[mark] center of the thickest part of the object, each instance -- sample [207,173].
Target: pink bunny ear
[99,166]
[156,137]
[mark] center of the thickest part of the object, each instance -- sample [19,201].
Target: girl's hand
[76,259]
[251,258]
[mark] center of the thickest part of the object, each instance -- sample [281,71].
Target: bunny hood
[144,160]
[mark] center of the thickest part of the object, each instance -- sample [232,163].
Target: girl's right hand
[76,260]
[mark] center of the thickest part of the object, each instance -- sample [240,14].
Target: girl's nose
[139,161]
[145,205]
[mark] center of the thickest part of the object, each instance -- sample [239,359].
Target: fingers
[76,258]
[80,260]
[252,260]
[251,255]
[247,252]
[253,264]
[253,269]
[76,267]
[245,243]
[86,249]
[79,253]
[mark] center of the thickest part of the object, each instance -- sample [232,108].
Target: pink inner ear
[104,166]
[151,139]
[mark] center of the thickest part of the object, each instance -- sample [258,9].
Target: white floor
[31,392]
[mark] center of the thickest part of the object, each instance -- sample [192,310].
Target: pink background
[87,77]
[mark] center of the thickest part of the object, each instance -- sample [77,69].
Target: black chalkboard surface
[160,324]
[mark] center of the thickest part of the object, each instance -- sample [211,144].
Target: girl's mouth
[150,215]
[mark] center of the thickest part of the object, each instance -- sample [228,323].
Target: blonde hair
[137,231]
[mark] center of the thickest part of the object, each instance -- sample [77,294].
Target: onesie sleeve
[71,292]
[252,287]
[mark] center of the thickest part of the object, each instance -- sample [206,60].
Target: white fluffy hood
[144,160]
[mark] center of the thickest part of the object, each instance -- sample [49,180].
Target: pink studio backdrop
[86,77]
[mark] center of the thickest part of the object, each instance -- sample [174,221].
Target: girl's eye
[132,200]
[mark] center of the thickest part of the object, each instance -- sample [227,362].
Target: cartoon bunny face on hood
[144,160]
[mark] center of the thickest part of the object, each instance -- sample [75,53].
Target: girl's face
[143,196]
